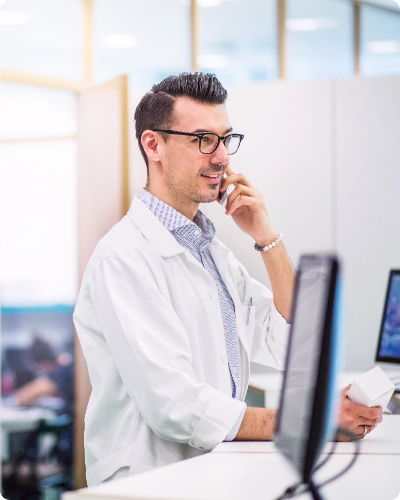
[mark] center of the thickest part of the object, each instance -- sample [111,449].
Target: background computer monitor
[389,337]
[307,412]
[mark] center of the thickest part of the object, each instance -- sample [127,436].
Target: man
[167,318]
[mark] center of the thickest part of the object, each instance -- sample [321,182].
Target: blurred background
[314,85]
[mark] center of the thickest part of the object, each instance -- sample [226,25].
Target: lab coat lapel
[157,234]
[153,230]
[220,255]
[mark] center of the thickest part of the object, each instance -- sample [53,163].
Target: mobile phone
[223,196]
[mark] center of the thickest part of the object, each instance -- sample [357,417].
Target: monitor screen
[307,393]
[389,338]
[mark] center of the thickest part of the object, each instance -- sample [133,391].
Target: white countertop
[12,416]
[261,475]
[255,476]
[385,439]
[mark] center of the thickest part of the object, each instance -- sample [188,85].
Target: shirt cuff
[235,429]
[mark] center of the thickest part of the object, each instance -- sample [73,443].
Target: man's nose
[220,155]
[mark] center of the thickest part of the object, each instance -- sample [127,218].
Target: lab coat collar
[158,235]
[153,230]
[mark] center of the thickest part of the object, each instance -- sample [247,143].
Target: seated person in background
[167,318]
[50,377]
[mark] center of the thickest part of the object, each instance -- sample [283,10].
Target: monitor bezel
[378,358]
[318,427]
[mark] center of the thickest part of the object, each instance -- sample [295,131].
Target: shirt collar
[172,219]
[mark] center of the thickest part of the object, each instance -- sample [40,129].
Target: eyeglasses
[208,141]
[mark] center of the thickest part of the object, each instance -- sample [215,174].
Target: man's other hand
[357,418]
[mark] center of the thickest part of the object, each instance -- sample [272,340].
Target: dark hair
[155,110]
[41,351]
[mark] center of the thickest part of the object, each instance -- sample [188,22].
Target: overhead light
[311,23]
[209,3]
[212,61]
[384,3]
[120,41]
[13,17]
[383,47]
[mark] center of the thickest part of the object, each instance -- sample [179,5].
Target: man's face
[186,170]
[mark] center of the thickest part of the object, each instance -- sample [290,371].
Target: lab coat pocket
[249,314]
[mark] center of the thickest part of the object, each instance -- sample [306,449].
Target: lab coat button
[222,358]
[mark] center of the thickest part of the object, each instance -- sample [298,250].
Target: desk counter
[14,419]
[242,475]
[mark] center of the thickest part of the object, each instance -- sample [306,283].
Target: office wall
[367,117]
[286,155]
[326,156]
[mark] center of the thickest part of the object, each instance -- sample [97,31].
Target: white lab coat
[150,325]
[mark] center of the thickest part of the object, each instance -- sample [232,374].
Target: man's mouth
[212,179]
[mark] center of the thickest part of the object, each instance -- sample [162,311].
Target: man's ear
[151,144]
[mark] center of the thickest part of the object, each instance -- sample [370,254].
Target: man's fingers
[239,202]
[346,390]
[351,420]
[240,190]
[366,421]
[234,179]
[358,419]
[379,416]
[374,414]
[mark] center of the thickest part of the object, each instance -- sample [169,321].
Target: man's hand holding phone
[246,206]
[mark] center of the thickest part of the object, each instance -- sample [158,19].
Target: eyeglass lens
[208,143]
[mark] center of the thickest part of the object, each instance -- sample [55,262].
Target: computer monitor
[389,337]
[307,411]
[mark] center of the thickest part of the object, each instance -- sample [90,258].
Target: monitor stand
[394,405]
[392,371]
[395,378]
[314,491]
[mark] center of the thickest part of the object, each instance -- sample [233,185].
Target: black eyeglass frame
[200,136]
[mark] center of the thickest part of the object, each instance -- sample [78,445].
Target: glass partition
[238,39]
[42,36]
[320,39]
[145,40]
[380,42]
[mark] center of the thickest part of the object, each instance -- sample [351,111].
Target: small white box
[373,388]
